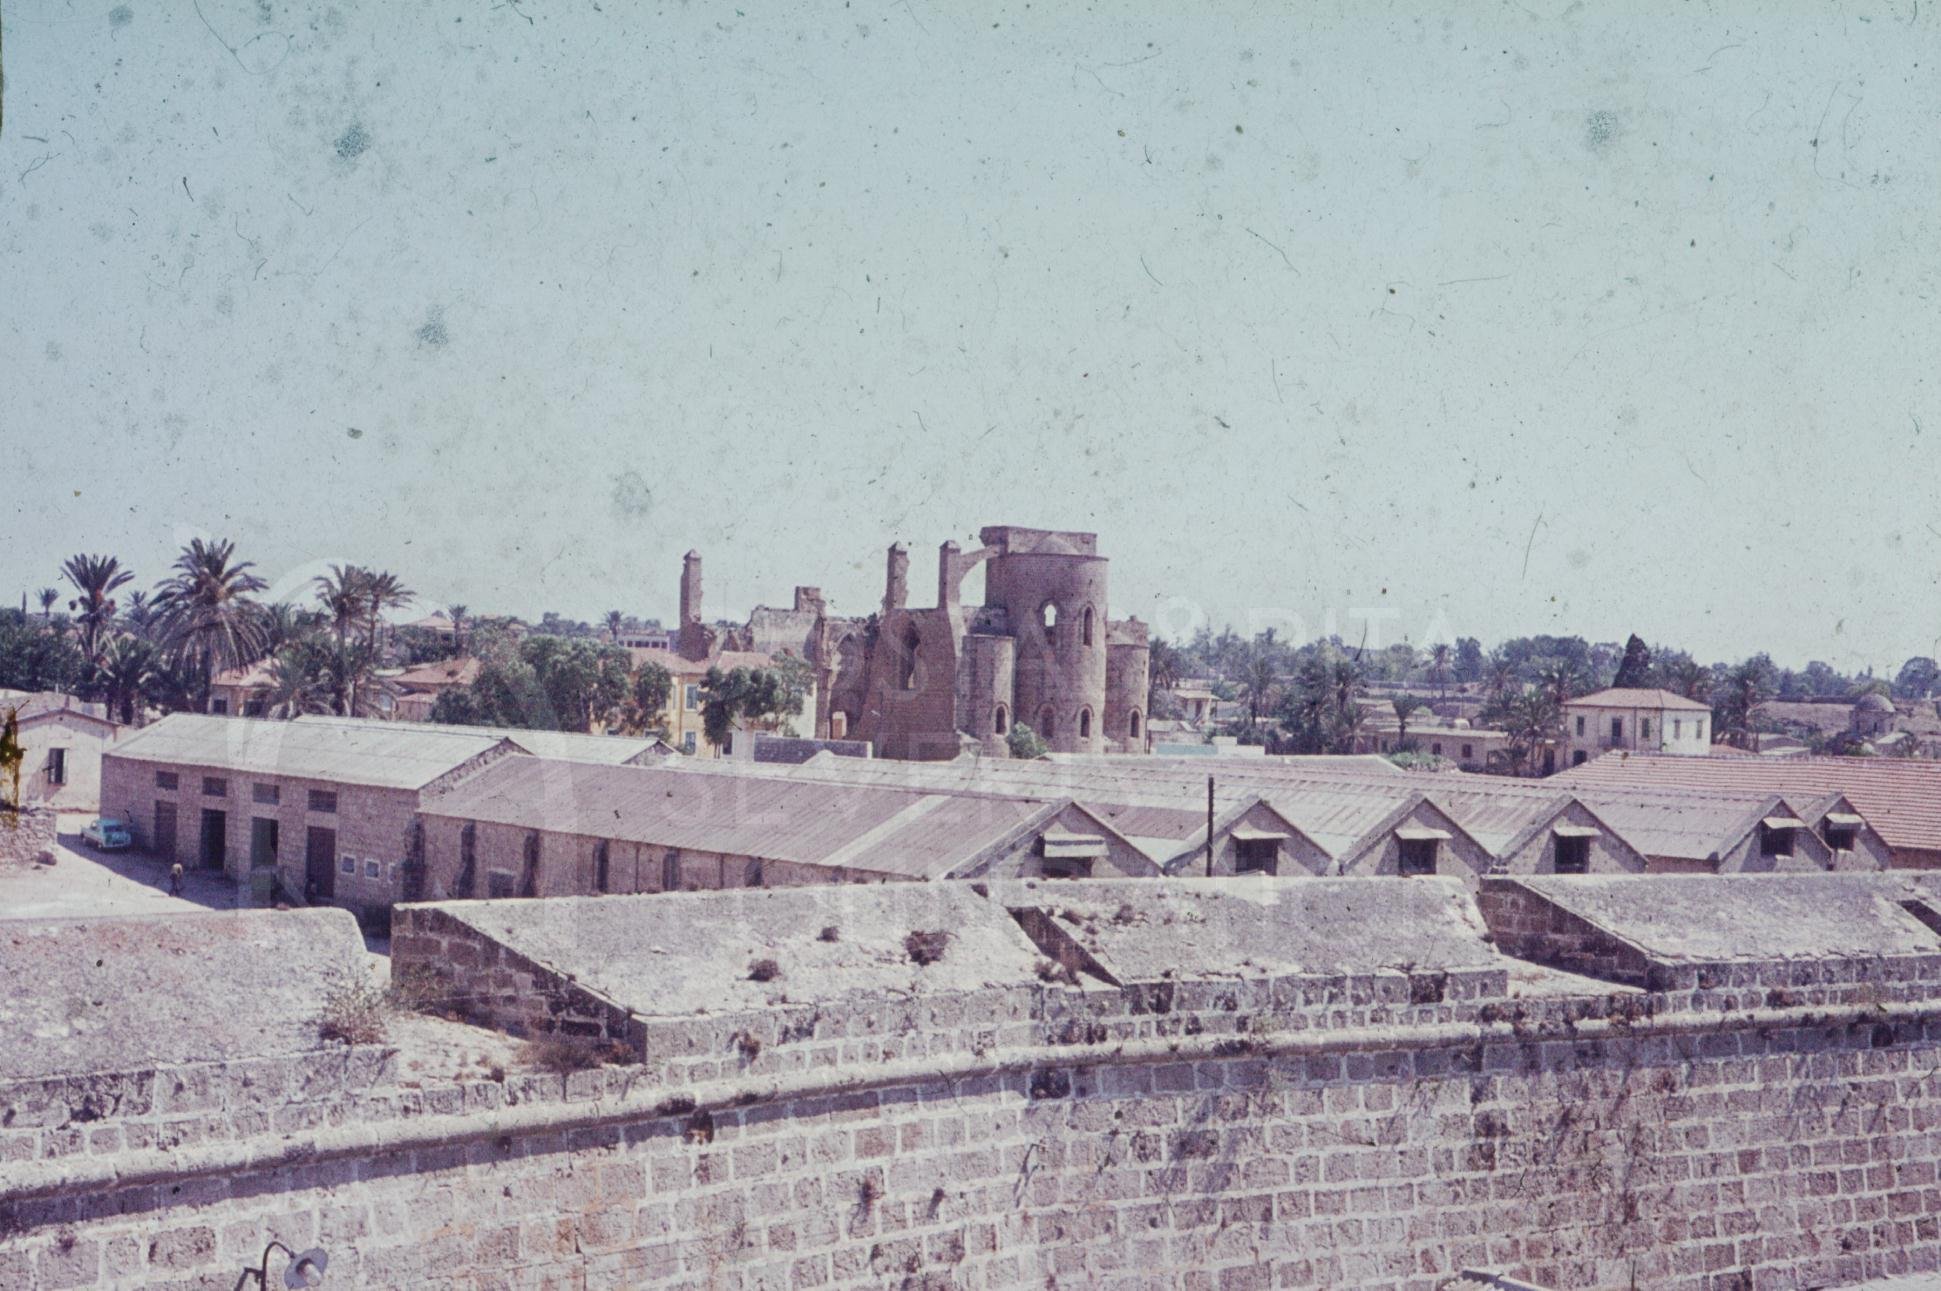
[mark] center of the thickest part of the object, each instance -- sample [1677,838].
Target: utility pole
[1209,827]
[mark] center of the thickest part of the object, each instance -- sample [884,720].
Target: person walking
[175,879]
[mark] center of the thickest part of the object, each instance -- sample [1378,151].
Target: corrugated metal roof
[859,827]
[572,745]
[383,754]
[1901,798]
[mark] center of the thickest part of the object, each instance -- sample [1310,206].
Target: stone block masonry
[1366,1128]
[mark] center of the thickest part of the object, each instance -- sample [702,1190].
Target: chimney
[896,591]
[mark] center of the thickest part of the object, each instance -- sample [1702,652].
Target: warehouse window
[323,800]
[601,876]
[1418,855]
[57,766]
[529,880]
[1573,855]
[166,780]
[214,787]
[468,861]
[266,794]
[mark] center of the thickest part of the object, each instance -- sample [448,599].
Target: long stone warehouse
[367,814]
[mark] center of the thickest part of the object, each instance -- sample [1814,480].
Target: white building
[1643,721]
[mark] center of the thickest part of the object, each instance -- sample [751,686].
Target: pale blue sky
[1540,317]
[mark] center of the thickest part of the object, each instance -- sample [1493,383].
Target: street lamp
[303,1270]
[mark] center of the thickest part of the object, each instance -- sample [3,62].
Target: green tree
[1745,687]
[209,616]
[127,675]
[34,656]
[1917,678]
[459,615]
[646,703]
[1404,706]
[342,594]
[1439,668]
[1469,660]
[95,580]
[1530,716]
[1025,743]
[48,595]
[1634,671]
[383,591]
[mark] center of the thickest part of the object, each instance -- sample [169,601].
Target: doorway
[215,838]
[320,864]
[165,830]
[262,843]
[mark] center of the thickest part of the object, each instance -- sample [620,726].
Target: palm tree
[383,591]
[284,624]
[1689,678]
[1529,717]
[460,617]
[125,675]
[341,592]
[95,578]
[48,595]
[1746,687]
[1258,680]
[1403,706]
[208,613]
[614,621]
[1559,678]
[1439,668]
[138,616]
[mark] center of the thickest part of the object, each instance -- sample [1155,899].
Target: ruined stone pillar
[896,588]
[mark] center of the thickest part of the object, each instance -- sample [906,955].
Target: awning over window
[1577,831]
[1845,818]
[1258,836]
[1418,834]
[1783,822]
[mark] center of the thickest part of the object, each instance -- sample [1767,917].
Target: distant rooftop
[397,755]
[572,745]
[1631,697]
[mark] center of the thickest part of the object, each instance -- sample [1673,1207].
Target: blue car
[107,834]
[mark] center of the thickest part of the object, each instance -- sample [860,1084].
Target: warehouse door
[215,838]
[165,830]
[320,864]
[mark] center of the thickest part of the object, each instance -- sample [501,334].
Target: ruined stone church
[931,683]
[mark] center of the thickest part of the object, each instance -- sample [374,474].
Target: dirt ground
[84,882]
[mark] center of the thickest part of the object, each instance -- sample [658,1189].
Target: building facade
[1636,721]
[62,739]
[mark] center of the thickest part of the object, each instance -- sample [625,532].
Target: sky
[1396,319]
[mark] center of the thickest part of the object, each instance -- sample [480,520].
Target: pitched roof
[1637,697]
[854,827]
[29,706]
[442,672]
[259,674]
[390,755]
[574,745]
[1900,797]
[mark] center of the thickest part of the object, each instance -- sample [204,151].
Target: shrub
[356,1009]
[1025,743]
[564,1054]
[925,948]
[831,933]
[764,970]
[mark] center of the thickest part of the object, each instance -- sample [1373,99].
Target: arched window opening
[1048,620]
[1084,723]
[1132,724]
[910,643]
[1088,625]
[1045,724]
[1001,720]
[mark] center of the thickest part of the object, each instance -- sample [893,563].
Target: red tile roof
[1900,797]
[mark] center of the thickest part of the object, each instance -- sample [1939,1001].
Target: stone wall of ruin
[1374,1131]
[27,834]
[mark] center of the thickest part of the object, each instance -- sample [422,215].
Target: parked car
[107,834]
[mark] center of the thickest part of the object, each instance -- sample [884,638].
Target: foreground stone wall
[1376,1131]
[27,834]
